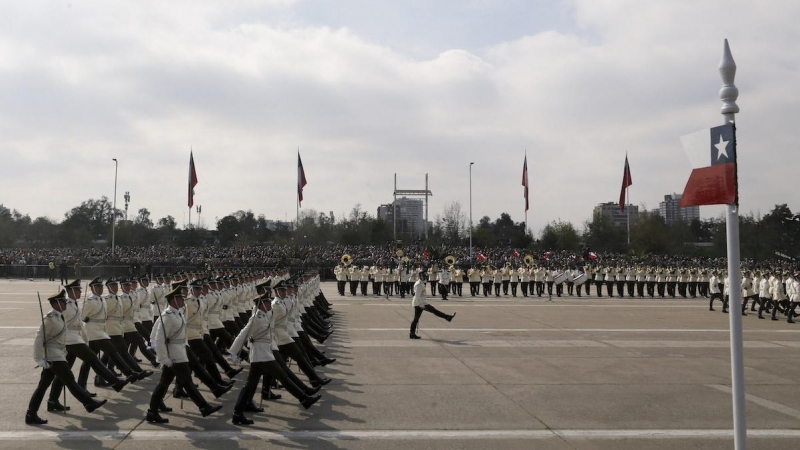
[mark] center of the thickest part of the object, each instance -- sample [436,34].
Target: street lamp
[114,211]
[470,212]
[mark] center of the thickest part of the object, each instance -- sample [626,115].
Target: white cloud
[85,82]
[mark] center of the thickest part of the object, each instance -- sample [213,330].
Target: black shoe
[120,384]
[179,393]
[164,408]
[313,390]
[137,360]
[269,395]
[711,309]
[252,408]
[320,382]
[132,378]
[99,382]
[145,374]
[227,383]
[327,361]
[775,318]
[725,311]
[220,391]
[233,372]
[790,320]
[761,317]
[240,419]
[92,394]
[450,318]
[55,406]
[208,410]
[91,406]
[414,336]
[154,417]
[310,401]
[31,418]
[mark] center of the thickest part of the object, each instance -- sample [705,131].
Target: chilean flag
[192,179]
[712,153]
[626,181]
[525,180]
[479,256]
[592,255]
[301,179]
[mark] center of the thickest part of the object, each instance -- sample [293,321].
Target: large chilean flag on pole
[626,181]
[301,178]
[525,180]
[712,153]
[192,179]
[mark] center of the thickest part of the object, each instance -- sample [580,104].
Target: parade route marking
[769,404]
[556,343]
[586,330]
[367,435]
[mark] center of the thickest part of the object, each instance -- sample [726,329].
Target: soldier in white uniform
[258,332]
[444,282]
[50,353]
[421,305]
[94,316]
[169,337]
[130,310]
[764,295]
[76,348]
[115,327]
[433,278]
[713,288]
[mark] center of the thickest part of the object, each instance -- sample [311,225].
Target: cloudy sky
[367,89]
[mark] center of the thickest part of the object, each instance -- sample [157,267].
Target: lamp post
[470,212]
[114,211]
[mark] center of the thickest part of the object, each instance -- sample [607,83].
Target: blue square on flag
[723,145]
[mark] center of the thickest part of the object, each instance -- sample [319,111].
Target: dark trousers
[524,287]
[630,287]
[376,287]
[291,350]
[134,340]
[505,287]
[599,288]
[340,286]
[610,288]
[660,288]
[514,288]
[215,353]
[183,373]
[474,288]
[85,354]
[222,337]
[364,287]
[497,289]
[109,352]
[621,288]
[257,371]
[640,288]
[443,291]
[714,296]
[282,363]
[122,349]
[206,358]
[60,370]
[651,288]
[353,287]
[433,284]
[487,288]
[418,312]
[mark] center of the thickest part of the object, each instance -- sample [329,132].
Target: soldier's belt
[175,341]
[114,319]
[194,327]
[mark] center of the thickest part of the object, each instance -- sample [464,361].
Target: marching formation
[185,324]
[768,291]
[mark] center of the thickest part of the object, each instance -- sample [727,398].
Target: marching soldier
[169,336]
[130,309]
[433,278]
[474,277]
[421,305]
[76,348]
[258,332]
[50,353]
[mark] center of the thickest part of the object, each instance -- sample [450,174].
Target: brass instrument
[346,259]
[399,253]
[528,260]
[450,260]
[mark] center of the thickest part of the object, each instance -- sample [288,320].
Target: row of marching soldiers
[185,324]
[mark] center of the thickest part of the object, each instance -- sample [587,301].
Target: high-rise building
[671,212]
[410,215]
[619,218]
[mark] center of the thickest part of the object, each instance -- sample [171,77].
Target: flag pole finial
[729,93]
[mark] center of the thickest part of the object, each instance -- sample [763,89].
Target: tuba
[450,260]
[399,253]
[528,260]
[346,259]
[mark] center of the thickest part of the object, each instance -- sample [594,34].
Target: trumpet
[450,260]
[346,259]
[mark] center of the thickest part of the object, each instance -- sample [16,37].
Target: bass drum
[580,279]
[560,277]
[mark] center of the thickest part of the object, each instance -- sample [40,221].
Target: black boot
[220,391]
[233,372]
[241,419]
[320,382]
[164,408]
[154,417]
[450,318]
[31,418]
[121,383]
[310,401]
[91,406]
[413,336]
[55,406]
[208,410]
[269,395]
[251,407]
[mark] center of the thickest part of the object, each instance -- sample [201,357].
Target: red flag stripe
[626,181]
[301,178]
[713,185]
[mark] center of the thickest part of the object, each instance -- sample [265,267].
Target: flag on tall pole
[626,181]
[192,180]
[712,153]
[301,178]
[525,180]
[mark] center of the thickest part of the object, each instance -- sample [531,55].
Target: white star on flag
[721,146]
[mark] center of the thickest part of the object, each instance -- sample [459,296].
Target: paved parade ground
[507,373]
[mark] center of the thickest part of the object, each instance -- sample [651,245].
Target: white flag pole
[728,94]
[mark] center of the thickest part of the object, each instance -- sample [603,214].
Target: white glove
[166,362]
[235,359]
[43,363]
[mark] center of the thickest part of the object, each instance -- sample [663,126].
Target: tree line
[776,233]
